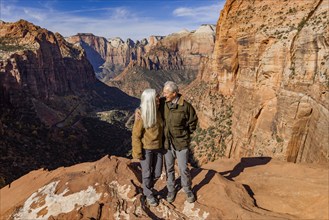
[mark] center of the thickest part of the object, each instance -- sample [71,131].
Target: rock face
[40,63]
[53,111]
[152,61]
[99,190]
[110,57]
[269,78]
[95,47]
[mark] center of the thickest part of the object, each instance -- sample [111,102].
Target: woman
[147,142]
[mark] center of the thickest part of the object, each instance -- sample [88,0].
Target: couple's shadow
[245,162]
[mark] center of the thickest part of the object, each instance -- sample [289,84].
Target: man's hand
[138,114]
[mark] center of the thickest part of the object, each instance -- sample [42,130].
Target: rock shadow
[244,163]
[210,174]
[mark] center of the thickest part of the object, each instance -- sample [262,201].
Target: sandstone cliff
[266,86]
[94,46]
[53,111]
[111,189]
[110,57]
[37,62]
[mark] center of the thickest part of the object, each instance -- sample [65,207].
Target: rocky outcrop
[99,190]
[37,62]
[296,189]
[270,67]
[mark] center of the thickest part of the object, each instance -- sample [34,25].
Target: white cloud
[203,13]
[35,14]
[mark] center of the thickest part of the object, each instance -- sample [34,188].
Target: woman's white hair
[148,108]
[171,86]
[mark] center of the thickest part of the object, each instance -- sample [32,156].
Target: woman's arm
[137,135]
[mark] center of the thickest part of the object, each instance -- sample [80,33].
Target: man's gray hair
[171,86]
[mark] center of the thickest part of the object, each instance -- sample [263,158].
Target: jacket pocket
[178,118]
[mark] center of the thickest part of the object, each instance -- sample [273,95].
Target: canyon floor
[110,188]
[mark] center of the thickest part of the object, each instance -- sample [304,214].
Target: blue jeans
[182,159]
[151,169]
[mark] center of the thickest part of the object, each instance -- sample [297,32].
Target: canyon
[54,111]
[260,88]
[134,66]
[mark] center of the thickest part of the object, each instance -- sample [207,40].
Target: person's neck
[175,100]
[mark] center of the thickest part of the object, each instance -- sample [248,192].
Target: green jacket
[146,138]
[180,122]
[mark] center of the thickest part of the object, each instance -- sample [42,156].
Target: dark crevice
[99,213]
[251,194]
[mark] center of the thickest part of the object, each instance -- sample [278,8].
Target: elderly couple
[163,126]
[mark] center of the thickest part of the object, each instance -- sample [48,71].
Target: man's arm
[138,114]
[192,119]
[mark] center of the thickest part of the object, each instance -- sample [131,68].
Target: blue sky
[113,18]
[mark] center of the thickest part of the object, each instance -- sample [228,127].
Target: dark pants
[151,169]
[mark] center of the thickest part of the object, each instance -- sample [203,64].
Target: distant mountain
[54,112]
[149,62]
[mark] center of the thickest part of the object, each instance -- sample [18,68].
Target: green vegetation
[10,44]
[279,139]
[301,24]
[210,144]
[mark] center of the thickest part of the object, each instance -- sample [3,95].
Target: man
[180,122]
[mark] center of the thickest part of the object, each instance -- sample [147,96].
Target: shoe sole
[171,200]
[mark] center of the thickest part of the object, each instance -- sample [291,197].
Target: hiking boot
[171,197]
[190,197]
[152,201]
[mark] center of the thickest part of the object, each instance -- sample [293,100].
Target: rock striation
[267,81]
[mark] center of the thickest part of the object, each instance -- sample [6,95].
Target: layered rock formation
[53,111]
[269,78]
[149,62]
[99,190]
[110,57]
[37,62]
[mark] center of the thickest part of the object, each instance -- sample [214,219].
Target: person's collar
[180,99]
[175,100]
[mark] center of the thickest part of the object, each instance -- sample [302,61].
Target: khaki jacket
[180,122]
[149,138]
